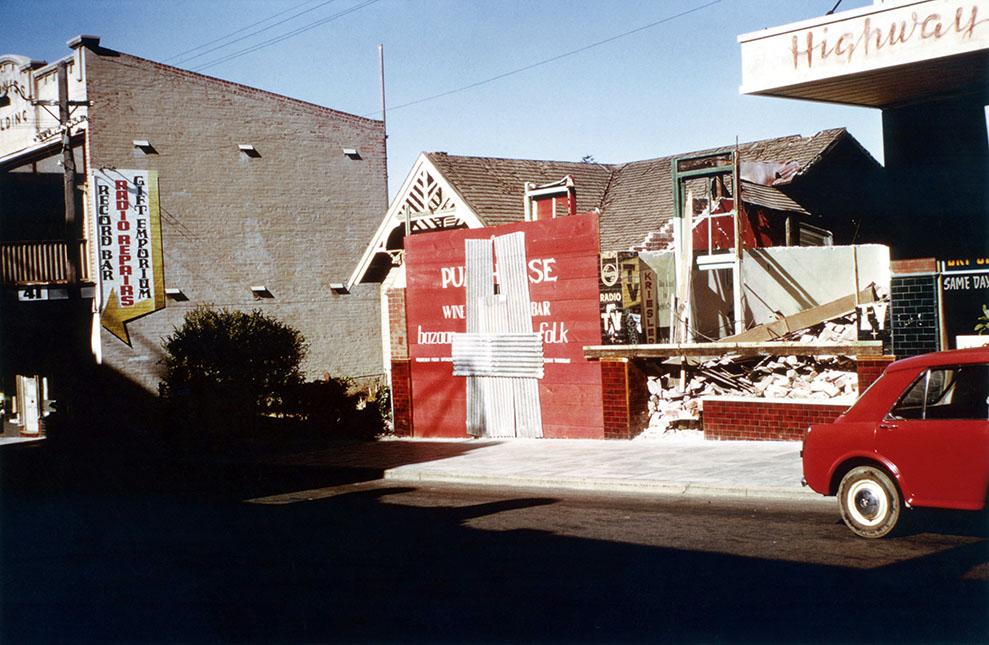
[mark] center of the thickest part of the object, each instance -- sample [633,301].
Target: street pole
[384,118]
[72,233]
[74,370]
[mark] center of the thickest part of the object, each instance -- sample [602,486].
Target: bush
[223,363]
[339,407]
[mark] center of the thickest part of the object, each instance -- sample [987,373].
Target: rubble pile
[675,404]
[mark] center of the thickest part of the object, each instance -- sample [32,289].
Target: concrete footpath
[749,469]
[675,466]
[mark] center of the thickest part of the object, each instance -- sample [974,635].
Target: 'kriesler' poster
[127,233]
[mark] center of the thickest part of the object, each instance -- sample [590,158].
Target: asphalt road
[370,561]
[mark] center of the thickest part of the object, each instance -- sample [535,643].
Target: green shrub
[338,407]
[223,363]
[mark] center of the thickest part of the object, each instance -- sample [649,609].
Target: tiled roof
[634,198]
[494,188]
[770,197]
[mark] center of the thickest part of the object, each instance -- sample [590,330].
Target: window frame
[926,375]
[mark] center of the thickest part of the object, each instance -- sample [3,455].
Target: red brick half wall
[401,397]
[731,418]
[625,398]
[870,368]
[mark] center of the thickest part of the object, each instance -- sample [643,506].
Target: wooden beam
[804,319]
[773,348]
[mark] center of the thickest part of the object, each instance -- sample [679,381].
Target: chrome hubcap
[867,504]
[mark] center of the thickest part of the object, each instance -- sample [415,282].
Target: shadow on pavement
[365,566]
[128,541]
[947,522]
[50,468]
[128,445]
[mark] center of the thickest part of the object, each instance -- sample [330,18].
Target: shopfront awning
[887,54]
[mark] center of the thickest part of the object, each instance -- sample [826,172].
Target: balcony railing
[39,262]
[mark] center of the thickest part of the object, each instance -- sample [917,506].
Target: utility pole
[75,373]
[736,180]
[72,232]
[384,122]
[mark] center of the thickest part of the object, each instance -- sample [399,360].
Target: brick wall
[401,397]
[638,398]
[869,368]
[398,332]
[614,399]
[401,368]
[294,219]
[914,313]
[625,398]
[727,418]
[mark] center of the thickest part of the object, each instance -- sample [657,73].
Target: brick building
[255,200]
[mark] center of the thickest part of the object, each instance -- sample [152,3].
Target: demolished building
[815,191]
[921,64]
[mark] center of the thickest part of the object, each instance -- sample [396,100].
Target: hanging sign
[127,233]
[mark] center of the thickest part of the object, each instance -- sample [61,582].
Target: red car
[918,436]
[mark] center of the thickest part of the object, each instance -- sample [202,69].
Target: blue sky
[667,89]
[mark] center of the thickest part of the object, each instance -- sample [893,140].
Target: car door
[937,436]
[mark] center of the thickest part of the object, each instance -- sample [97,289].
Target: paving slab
[753,469]
[11,440]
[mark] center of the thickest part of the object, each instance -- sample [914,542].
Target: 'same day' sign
[965,291]
[128,246]
[562,267]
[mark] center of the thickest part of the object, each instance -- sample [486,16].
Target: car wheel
[870,502]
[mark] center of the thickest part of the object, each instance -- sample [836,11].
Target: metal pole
[737,286]
[70,378]
[384,121]
[72,236]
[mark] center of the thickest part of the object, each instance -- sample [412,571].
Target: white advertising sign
[127,234]
[877,37]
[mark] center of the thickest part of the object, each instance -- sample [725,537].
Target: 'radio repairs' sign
[127,232]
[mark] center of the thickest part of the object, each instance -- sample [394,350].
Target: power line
[548,60]
[285,36]
[253,33]
[237,31]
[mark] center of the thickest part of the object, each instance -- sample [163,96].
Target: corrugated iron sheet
[500,355]
[479,283]
[504,355]
[514,282]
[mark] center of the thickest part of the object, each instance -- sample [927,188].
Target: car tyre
[870,502]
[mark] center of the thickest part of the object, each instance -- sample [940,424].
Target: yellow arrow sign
[128,226]
[115,317]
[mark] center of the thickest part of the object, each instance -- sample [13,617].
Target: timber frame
[741,348]
[426,202]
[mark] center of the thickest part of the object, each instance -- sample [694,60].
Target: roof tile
[634,198]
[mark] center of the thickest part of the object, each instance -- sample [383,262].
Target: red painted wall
[760,228]
[542,207]
[563,284]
